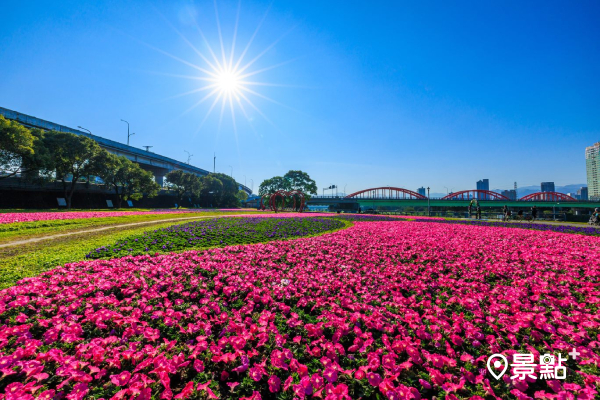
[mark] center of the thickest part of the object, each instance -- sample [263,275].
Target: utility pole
[128,134]
[428,203]
[189,156]
[214,162]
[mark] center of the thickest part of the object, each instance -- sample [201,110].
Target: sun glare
[228,82]
[229,77]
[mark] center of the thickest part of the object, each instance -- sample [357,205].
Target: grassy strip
[26,230]
[35,258]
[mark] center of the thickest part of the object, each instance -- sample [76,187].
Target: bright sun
[228,82]
[227,76]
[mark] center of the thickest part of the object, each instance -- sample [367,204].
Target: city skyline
[389,102]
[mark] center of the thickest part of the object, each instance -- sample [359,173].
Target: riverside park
[430,239]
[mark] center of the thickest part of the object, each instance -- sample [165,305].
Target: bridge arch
[547,196]
[475,194]
[386,192]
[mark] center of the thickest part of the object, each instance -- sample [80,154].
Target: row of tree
[42,156]
[292,180]
[212,190]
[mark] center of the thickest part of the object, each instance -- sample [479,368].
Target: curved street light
[81,127]
[128,134]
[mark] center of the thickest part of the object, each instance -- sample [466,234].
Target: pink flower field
[9,218]
[388,310]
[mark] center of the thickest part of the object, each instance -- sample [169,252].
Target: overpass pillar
[159,178]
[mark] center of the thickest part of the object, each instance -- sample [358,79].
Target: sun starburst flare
[225,75]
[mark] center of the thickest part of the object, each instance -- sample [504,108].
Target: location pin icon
[492,366]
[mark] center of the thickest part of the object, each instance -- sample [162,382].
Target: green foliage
[271,185]
[71,157]
[292,180]
[227,197]
[211,190]
[184,184]
[299,180]
[128,179]
[242,196]
[16,142]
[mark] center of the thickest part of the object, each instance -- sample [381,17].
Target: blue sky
[362,94]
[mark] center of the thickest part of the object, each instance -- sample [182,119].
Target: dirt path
[104,228]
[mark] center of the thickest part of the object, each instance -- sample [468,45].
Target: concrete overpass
[157,164]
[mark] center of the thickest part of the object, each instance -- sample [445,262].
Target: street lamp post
[428,203]
[128,134]
[81,127]
[189,156]
[345,189]
[252,185]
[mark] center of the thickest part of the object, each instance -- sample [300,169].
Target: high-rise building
[573,195]
[483,184]
[547,187]
[583,193]
[511,194]
[592,167]
[421,191]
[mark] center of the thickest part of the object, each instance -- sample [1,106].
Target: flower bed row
[583,230]
[9,218]
[217,232]
[399,310]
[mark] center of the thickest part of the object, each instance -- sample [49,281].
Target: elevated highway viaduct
[157,164]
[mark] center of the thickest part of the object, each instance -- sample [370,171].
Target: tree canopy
[292,180]
[127,178]
[299,180]
[16,143]
[227,197]
[71,158]
[184,184]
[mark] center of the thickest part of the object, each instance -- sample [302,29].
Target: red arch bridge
[389,197]
[396,193]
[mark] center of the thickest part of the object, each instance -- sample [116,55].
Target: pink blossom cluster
[8,218]
[396,310]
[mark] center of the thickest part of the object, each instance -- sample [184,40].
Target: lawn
[18,262]
[24,230]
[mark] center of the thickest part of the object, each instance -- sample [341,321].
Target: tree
[71,158]
[183,183]
[242,196]
[127,178]
[298,180]
[272,185]
[227,196]
[292,180]
[16,143]
[211,190]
